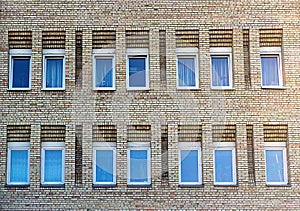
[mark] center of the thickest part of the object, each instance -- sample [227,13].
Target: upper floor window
[187,68]
[224,163]
[20,69]
[54,69]
[137,69]
[139,163]
[221,67]
[190,163]
[271,73]
[53,163]
[104,163]
[276,163]
[104,69]
[18,163]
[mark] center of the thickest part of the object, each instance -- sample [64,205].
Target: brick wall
[163,104]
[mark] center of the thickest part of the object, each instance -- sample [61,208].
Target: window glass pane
[189,166]
[19,166]
[137,72]
[269,67]
[138,166]
[274,165]
[104,73]
[54,73]
[21,72]
[104,166]
[220,74]
[223,166]
[53,166]
[186,72]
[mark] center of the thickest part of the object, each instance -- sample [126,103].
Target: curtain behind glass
[138,166]
[137,72]
[223,166]
[189,165]
[54,73]
[21,72]
[269,67]
[220,74]
[104,166]
[186,72]
[53,166]
[19,166]
[104,73]
[274,165]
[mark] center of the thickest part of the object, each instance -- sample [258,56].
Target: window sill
[274,87]
[104,185]
[224,185]
[50,89]
[17,186]
[188,88]
[52,185]
[137,89]
[223,88]
[104,89]
[19,89]
[278,185]
[191,186]
[139,186]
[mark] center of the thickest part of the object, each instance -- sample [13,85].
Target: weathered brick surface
[163,104]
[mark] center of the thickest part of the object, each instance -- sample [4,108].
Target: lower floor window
[224,163]
[138,157]
[189,163]
[104,163]
[276,163]
[53,162]
[18,163]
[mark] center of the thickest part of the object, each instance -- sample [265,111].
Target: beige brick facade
[163,104]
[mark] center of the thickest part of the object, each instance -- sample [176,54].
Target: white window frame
[225,146]
[277,146]
[271,52]
[222,52]
[17,146]
[137,53]
[52,146]
[104,53]
[139,146]
[190,146]
[19,53]
[188,53]
[104,146]
[53,53]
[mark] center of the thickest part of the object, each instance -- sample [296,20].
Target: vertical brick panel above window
[20,39]
[18,133]
[137,39]
[104,39]
[270,37]
[54,39]
[187,38]
[138,133]
[224,133]
[53,133]
[220,38]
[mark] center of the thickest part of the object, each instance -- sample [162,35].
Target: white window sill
[53,89]
[138,89]
[19,89]
[104,89]
[273,87]
[188,88]
[222,88]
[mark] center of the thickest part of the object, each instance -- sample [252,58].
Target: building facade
[150,105]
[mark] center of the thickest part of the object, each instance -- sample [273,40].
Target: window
[271,74]
[104,163]
[53,163]
[138,163]
[187,68]
[190,163]
[224,163]
[54,69]
[104,69]
[137,69]
[20,69]
[221,68]
[276,163]
[18,163]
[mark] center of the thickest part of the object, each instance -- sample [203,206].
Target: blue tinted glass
[19,166]
[186,72]
[220,74]
[138,166]
[274,165]
[104,166]
[189,166]
[53,166]
[137,72]
[104,73]
[269,67]
[223,166]
[21,72]
[54,73]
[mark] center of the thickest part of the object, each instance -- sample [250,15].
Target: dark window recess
[250,154]
[164,155]
[162,57]
[78,154]
[246,58]
[78,59]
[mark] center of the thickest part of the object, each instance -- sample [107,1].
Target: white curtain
[53,166]
[54,73]
[269,67]
[186,72]
[19,166]
[104,73]
[220,74]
